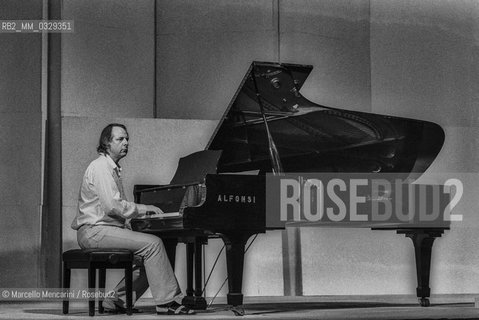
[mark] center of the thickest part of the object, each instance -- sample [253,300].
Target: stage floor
[317,307]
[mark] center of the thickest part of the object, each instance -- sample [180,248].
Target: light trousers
[156,270]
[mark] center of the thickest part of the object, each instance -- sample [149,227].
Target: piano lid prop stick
[273,151]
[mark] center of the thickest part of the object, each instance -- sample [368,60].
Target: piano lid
[313,138]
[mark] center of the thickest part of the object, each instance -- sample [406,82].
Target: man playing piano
[100,223]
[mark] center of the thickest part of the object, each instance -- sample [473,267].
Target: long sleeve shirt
[102,200]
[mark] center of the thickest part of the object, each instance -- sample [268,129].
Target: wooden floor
[317,307]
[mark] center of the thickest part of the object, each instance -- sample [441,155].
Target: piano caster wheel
[424,302]
[238,311]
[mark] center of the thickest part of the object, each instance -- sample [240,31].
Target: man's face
[118,144]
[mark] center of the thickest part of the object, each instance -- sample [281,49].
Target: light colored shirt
[102,200]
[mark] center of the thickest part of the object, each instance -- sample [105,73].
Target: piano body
[269,127]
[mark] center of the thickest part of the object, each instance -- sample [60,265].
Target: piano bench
[101,259]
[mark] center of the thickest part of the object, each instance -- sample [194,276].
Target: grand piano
[270,129]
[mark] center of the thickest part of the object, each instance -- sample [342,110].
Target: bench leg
[91,286]
[129,288]
[66,285]
[101,285]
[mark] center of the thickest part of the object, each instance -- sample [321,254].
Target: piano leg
[190,251]
[198,272]
[170,247]
[196,301]
[423,241]
[235,246]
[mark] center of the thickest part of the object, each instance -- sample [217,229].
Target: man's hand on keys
[152,210]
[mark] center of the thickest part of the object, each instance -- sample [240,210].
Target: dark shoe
[174,308]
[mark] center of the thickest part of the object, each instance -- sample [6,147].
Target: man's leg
[160,275]
[140,285]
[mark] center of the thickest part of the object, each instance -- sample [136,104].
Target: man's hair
[106,137]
